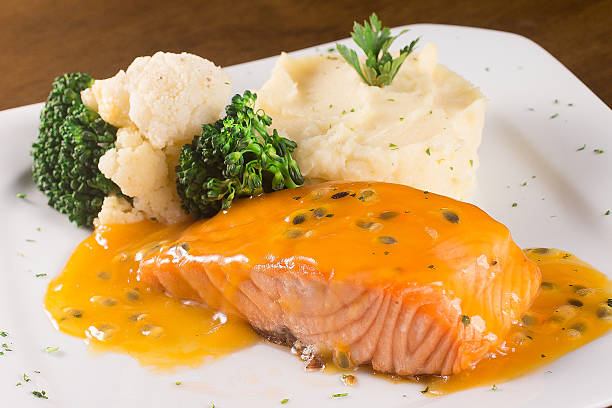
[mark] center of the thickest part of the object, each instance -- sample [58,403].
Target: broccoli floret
[234,157]
[71,140]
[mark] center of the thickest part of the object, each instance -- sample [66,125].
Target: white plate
[562,207]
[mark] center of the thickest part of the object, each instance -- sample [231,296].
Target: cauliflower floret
[135,166]
[109,97]
[116,210]
[167,96]
[164,202]
[162,86]
[144,173]
[159,103]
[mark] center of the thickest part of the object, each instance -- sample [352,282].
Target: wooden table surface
[40,39]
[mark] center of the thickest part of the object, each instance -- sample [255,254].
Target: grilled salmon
[373,273]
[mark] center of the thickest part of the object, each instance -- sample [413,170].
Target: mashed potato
[423,130]
[158,104]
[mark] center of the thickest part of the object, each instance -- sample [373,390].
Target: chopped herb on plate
[40,394]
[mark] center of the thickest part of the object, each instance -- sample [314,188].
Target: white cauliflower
[158,104]
[110,98]
[116,210]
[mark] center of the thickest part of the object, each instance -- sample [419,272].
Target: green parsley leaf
[425,391]
[344,394]
[284,401]
[607,212]
[3,333]
[465,319]
[178,383]
[21,195]
[380,67]
[428,151]
[554,116]
[40,394]
[514,204]
[598,151]
[51,349]
[393,146]
[581,148]
[494,387]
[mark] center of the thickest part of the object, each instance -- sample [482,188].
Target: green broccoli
[71,140]
[234,157]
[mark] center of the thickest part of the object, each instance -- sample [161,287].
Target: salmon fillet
[374,273]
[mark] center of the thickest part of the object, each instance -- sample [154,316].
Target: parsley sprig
[380,67]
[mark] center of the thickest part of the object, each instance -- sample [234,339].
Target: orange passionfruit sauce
[573,308]
[98,297]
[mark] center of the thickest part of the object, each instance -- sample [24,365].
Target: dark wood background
[40,39]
